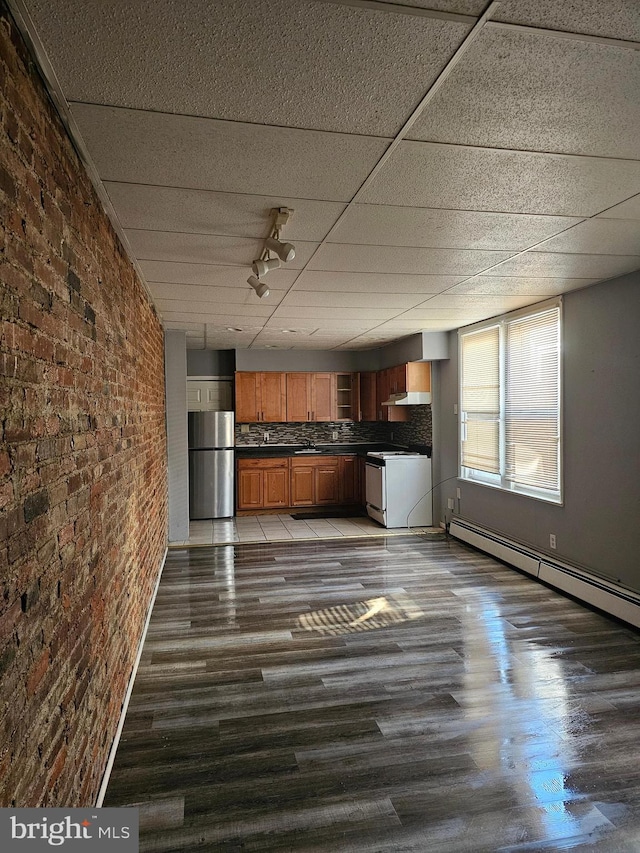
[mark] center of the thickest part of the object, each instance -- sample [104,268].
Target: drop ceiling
[446,160]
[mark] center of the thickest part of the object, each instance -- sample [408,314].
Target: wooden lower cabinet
[349,476]
[280,482]
[315,481]
[263,483]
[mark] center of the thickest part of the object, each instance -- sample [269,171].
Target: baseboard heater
[612,599]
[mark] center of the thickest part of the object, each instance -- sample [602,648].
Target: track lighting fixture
[261,268]
[284,252]
[260,287]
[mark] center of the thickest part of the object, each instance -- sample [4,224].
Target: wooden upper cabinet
[247,393]
[260,397]
[323,397]
[311,397]
[417,376]
[396,414]
[368,397]
[298,396]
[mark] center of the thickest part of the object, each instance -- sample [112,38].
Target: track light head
[285,251]
[260,287]
[261,268]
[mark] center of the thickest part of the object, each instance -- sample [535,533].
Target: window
[510,402]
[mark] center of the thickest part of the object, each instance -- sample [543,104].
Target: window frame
[499,480]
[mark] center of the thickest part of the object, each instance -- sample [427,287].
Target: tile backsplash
[416,431]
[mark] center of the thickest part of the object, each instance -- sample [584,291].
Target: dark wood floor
[378,695]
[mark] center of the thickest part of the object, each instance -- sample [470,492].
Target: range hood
[409,398]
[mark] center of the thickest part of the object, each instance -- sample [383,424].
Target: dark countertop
[275,450]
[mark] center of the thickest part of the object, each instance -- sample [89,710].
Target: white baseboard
[125,705]
[609,597]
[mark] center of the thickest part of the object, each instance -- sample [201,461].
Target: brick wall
[83,512]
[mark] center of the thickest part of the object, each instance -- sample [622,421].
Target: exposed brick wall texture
[83,507]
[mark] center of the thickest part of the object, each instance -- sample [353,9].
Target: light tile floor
[278,528]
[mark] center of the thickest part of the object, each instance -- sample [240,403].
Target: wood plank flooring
[391,694]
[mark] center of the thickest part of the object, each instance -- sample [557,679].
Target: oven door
[376,491]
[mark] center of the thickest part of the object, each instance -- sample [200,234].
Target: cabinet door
[368,396]
[349,480]
[327,484]
[250,489]
[382,394]
[418,376]
[247,402]
[275,487]
[323,397]
[301,486]
[298,397]
[273,397]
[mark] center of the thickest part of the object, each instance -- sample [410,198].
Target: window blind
[532,400]
[510,402]
[480,400]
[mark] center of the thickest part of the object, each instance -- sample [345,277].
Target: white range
[398,488]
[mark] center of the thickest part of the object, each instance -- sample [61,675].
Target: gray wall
[175,372]
[598,527]
[424,346]
[211,362]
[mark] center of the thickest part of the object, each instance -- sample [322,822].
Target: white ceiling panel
[204,212]
[207,249]
[328,313]
[487,285]
[183,151]
[388,225]
[550,265]
[309,299]
[286,62]
[629,209]
[374,283]
[193,294]
[394,259]
[199,118]
[559,79]
[211,274]
[601,236]
[423,174]
[618,20]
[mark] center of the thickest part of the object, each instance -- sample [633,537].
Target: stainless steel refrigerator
[211,464]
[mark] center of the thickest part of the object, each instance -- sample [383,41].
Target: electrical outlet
[458,493]
[265,436]
[455,408]
[449,503]
[334,435]
[552,541]
[244,428]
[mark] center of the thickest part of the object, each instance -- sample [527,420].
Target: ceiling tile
[220,297]
[409,326]
[446,305]
[207,249]
[549,265]
[278,62]
[422,174]
[629,209]
[205,212]
[598,236]
[212,317]
[559,80]
[211,274]
[619,20]
[374,283]
[487,285]
[387,225]
[182,151]
[459,7]
[309,299]
[394,259]
[318,314]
